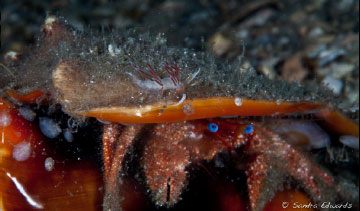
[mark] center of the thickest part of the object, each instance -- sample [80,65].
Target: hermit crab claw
[170,161]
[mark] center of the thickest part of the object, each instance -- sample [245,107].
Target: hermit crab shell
[71,90]
[72,70]
[65,79]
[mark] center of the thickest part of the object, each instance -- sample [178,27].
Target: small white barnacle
[113,50]
[49,127]
[49,164]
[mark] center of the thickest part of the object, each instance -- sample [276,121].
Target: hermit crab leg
[164,168]
[112,198]
[255,175]
[110,135]
[268,145]
[165,161]
[123,143]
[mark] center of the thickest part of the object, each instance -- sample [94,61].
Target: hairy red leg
[164,168]
[112,199]
[255,176]
[123,143]
[267,145]
[109,138]
[165,160]
[323,175]
[296,164]
[303,170]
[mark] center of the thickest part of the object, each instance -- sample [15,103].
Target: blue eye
[213,127]
[249,129]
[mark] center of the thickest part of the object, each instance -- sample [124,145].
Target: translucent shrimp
[153,81]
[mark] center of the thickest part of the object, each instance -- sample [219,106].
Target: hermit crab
[180,107]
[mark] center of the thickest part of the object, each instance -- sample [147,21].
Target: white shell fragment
[27,113]
[238,101]
[68,135]
[49,127]
[334,84]
[22,151]
[5,119]
[49,164]
[350,141]
[318,138]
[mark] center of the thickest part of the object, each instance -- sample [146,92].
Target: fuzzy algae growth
[99,76]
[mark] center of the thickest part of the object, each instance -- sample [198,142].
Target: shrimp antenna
[173,71]
[7,69]
[150,74]
[243,49]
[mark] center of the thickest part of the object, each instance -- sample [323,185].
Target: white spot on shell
[238,101]
[22,151]
[49,164]
[111,50]
[49,22]
[49,127]
[334,84]
[350,141]
[68,135]
[12,55]
[188,109]
[27,113]
[5,119]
